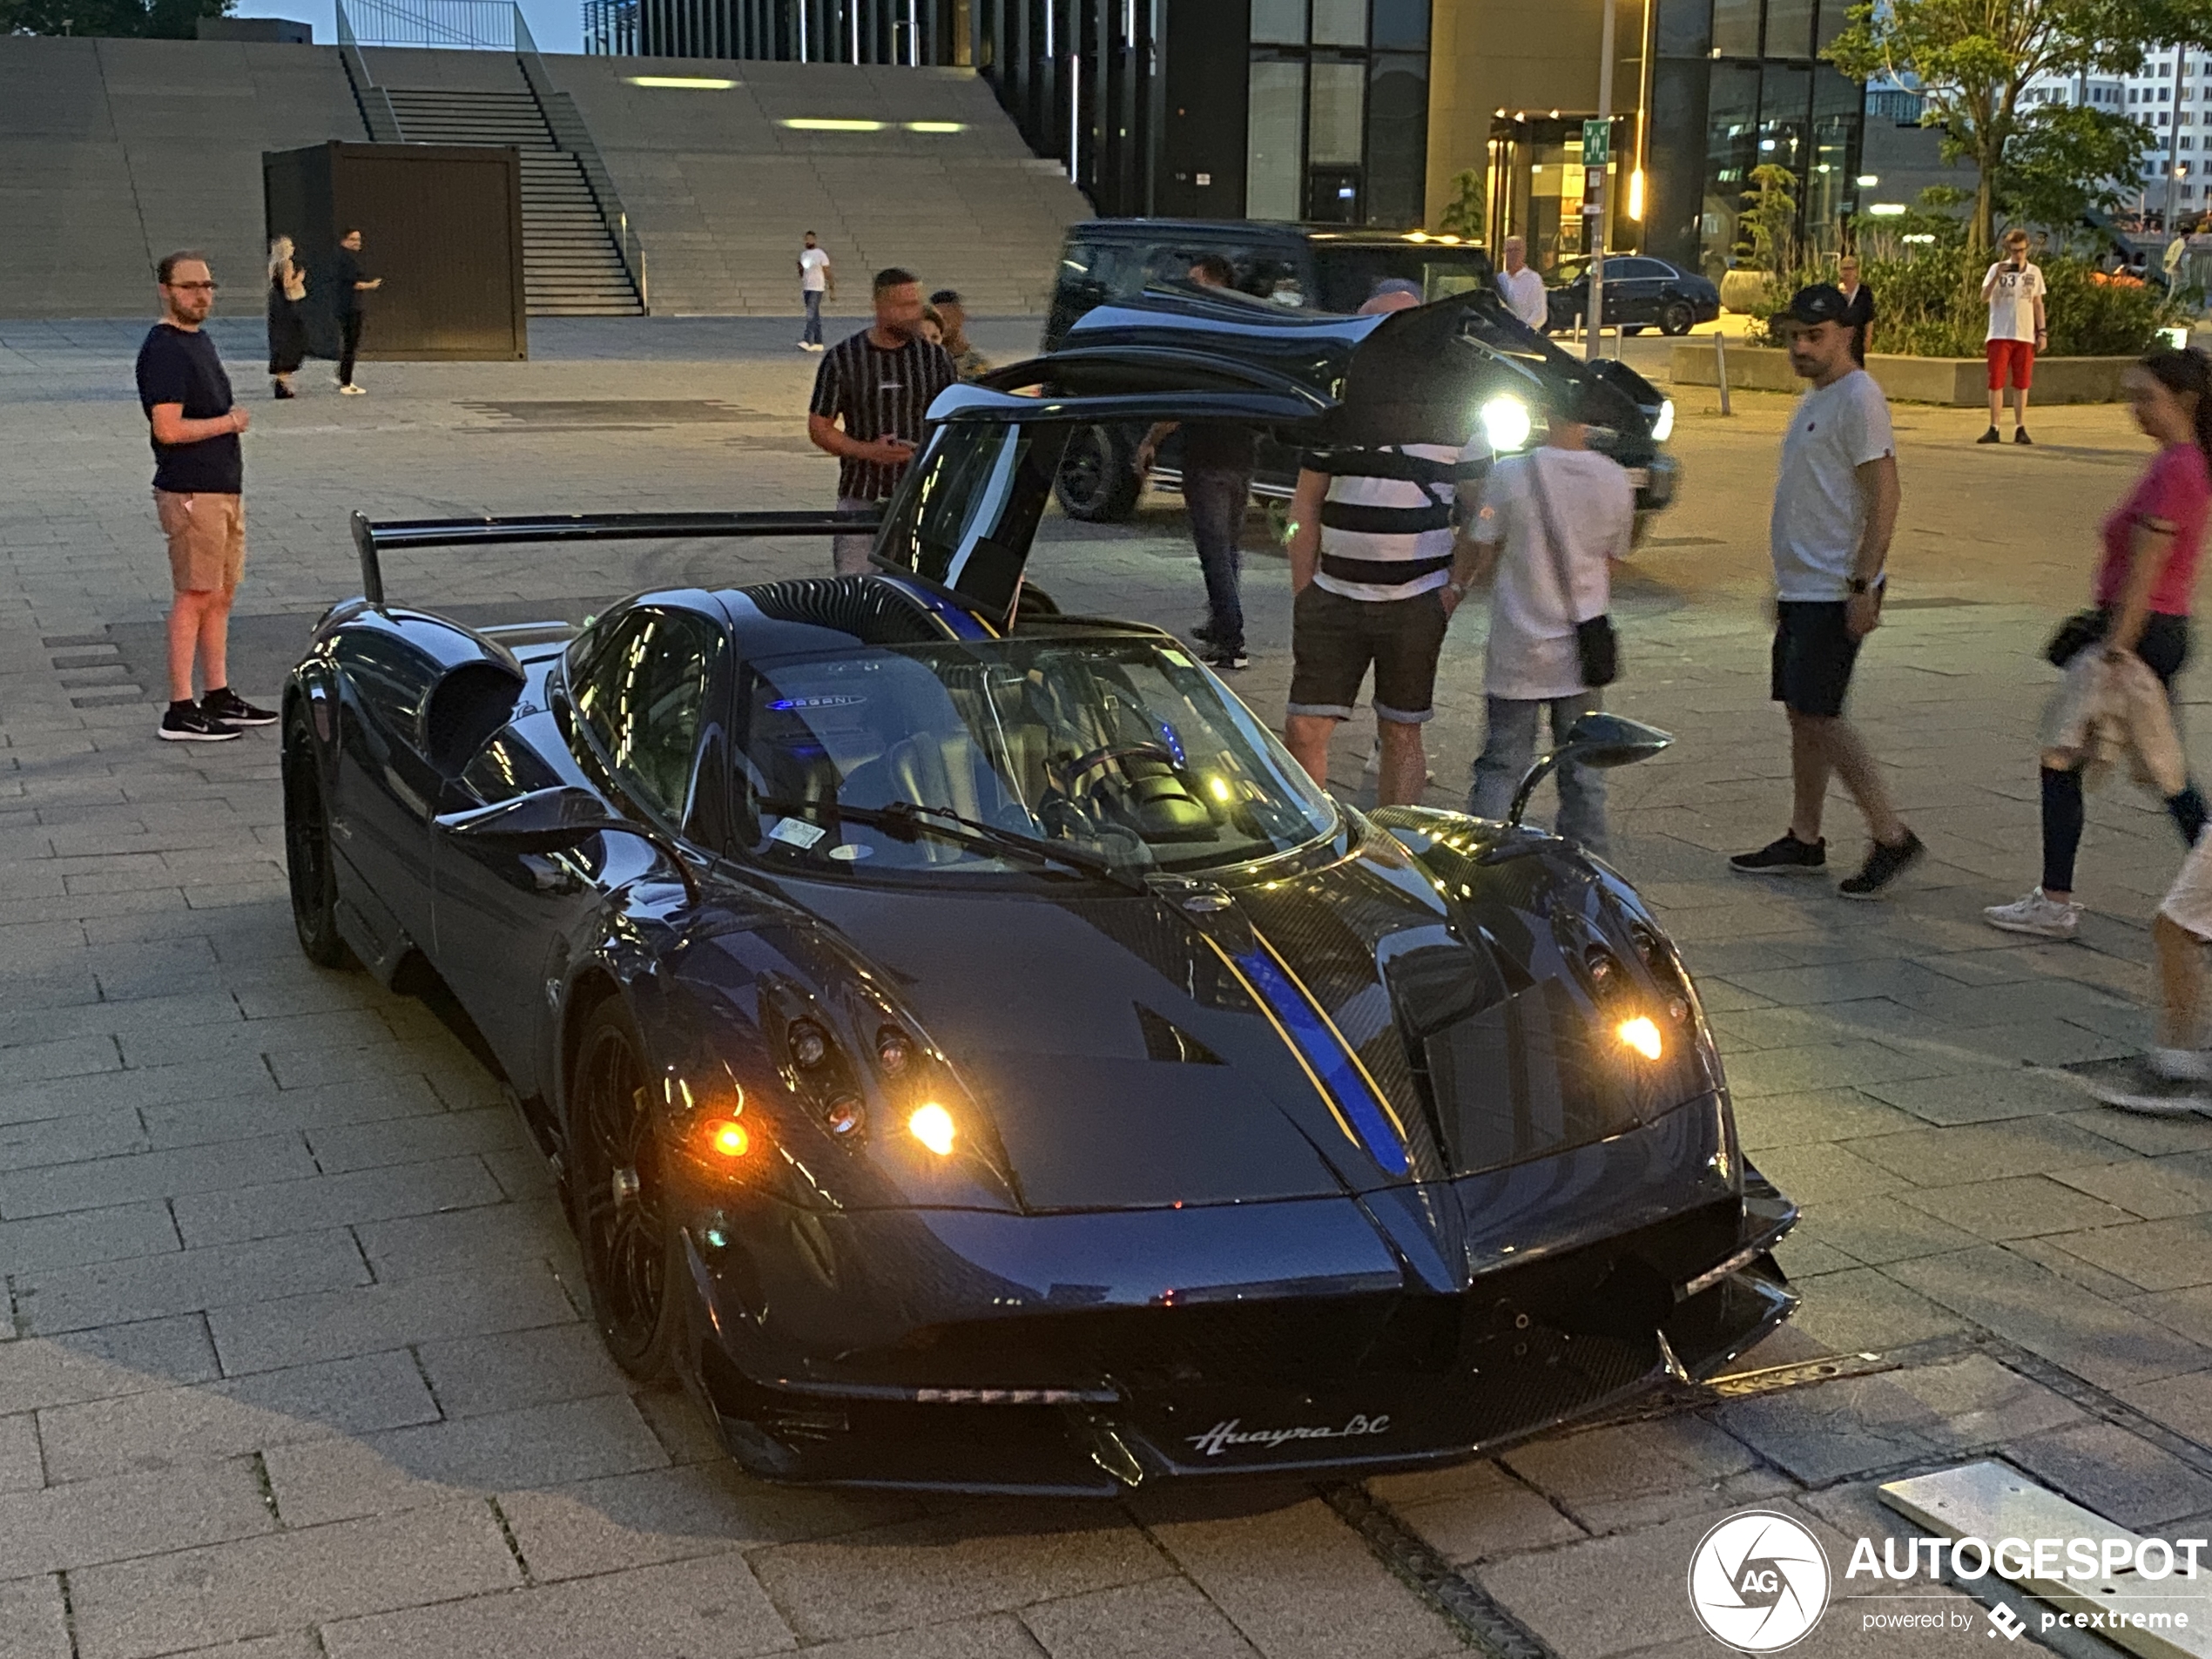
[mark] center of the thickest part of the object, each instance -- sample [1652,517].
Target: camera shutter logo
[1758,1581]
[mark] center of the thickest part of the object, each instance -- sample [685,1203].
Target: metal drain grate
[92,670]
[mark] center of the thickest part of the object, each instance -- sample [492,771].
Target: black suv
[1301,266]
[1303,270]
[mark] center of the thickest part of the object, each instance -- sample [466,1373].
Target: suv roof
[1247,229]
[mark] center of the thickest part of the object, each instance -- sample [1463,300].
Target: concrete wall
[114,152]
[1957,383]
[722,193]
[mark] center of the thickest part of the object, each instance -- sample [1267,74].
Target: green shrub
[1928,303]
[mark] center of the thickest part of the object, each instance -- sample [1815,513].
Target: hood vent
[1164,1040]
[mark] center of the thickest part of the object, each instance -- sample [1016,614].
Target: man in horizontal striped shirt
[879,384]
[1370,552]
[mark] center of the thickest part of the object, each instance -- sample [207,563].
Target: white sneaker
[2045,918]
[350,390]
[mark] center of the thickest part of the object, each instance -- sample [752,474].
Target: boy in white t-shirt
[815,279]
[1562,509]
[2013,290]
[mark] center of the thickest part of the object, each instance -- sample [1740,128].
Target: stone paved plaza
[296,1365]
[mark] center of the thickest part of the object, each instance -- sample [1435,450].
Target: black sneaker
[227,706]
[1203,632]
[189,723]
[1788,856]
[282,390]
[1990,436]
[2019,435]
[1228,661]
[1883,865]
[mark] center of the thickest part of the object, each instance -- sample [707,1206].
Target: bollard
[1720,366]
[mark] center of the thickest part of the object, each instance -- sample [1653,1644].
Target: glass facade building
[1736,84]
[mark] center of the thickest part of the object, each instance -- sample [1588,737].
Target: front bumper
[1346,1375]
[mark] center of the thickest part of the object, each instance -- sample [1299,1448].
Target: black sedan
[1640,292]
[974,1056]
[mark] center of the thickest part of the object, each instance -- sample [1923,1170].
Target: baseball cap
[1822,302]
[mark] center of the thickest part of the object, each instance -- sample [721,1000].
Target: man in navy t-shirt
[199,479]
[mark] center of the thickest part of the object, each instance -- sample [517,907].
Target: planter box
[1957,383]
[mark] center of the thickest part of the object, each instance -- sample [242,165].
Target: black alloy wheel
[1097,482]
[618,1198]
[1676,317]
[308,862]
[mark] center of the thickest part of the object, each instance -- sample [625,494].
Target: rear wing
[371,538]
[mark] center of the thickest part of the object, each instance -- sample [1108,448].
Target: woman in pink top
[2152,542]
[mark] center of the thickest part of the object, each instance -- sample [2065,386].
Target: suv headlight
[1662,424]
[1506,423]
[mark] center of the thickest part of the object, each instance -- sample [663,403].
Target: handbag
[2075,635]
[1597,643]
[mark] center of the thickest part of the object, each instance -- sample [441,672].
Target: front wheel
[1097,482]
[619,1198]
[1676,318]
[309,866]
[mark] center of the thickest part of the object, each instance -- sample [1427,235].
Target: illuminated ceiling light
[932,1126]
[1417,236]
[681,83]
[936,127]
[826,124]
[1886,209]
[1448,240]
[1641,1034]
[1636,195]
[1868,181]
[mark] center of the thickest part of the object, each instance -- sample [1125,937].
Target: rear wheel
[619,1198]
[1676,318]
[308,862]
[1097,482]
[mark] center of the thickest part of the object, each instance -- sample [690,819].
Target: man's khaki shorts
[2188,903]
[206,540]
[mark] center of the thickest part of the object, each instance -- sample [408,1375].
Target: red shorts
[2013,359]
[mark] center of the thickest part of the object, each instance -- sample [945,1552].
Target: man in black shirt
[350,284]
[1216,483]
[880,384]
[198,477]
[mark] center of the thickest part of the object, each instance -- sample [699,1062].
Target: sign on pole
[1597,144]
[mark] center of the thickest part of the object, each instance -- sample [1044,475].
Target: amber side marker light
[1641,1034]
[731,1140]
[932,1126]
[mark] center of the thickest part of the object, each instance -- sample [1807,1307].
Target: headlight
[1662,427]
[1506,424]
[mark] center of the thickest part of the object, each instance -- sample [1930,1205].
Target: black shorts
[1333,639]
[1813,656]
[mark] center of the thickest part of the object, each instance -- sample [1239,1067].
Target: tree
[1469,209]
[152,19]
[1972,59]
[1770,219]
[2066,161]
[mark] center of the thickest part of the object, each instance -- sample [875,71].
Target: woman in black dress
[288,331]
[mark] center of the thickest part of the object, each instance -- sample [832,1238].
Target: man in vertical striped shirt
[871,394]
[1370,552]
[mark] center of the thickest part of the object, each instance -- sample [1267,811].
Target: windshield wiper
[905,820]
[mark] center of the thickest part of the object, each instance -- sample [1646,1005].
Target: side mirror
[1597,739]
[544,820]
[553,821]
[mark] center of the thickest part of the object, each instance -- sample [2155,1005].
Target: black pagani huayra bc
[971,1054]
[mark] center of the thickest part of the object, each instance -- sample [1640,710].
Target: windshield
[1125,749]
[1349,270]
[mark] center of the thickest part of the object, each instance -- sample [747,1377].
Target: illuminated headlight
[932,1125]
[1663,425]
[1506,424]
[1641,1035]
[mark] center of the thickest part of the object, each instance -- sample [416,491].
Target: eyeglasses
[191,287]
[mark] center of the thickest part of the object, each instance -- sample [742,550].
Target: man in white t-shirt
[1562,511]
[2018,329]
[1522,288]
[815,280]
[1835,507]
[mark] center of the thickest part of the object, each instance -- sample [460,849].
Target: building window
[1339,112]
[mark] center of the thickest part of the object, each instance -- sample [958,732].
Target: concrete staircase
[571,265]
